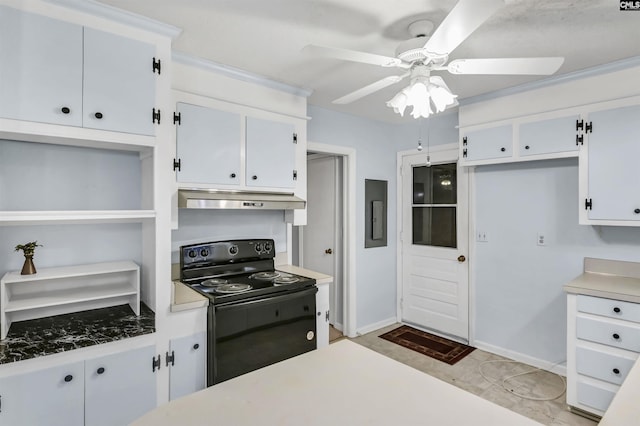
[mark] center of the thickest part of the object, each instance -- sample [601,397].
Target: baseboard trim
[376,326]
[525,359]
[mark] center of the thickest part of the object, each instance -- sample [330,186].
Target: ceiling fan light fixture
[420,94]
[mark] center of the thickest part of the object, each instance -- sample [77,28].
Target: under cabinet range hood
[211,199]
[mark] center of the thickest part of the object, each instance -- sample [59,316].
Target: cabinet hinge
[295,175]
[579,125]
[326,316]
[295,138]
[155,363]
[177,164]
[588,204]
[464,141]
[170,358]
[156,65]
[464,153]
[177,118]
[588,127]
[155,117]
[579,139]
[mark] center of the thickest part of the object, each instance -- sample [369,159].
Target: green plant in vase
[28,250]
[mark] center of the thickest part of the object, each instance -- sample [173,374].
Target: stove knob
[204,252]
[258,247]
[267,247]
[233,250]
[192,254]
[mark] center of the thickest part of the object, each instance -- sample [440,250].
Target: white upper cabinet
[271,154]
[208,145]
[62,73]
[610,190]
[489,143]
[40,68]
[119,84]
[548,136]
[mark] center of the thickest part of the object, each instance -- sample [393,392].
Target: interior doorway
[327,243]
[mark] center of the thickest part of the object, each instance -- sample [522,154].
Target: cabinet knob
[254,177]
[65,110]
[233,175]
[616,336]
[196,346]
[637,211]
[68,378]
[616,371]
[526,147]
[100,370]
[503,149]
[616,310]
[319,313]
[98,115]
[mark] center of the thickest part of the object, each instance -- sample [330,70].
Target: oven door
[248,335]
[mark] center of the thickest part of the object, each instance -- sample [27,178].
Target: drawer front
[595,397]
[609,308]
[603,366]
[609,333]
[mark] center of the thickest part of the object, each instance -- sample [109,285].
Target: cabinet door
[322,316]
[486,144]
[613,172]
[119,83]
[52,397]
[187,374]
[40,68]
[119,388]
[548,136]
[208,145]
[271,154]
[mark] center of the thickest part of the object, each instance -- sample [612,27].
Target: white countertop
[610,279]
[343,383]
[318,276]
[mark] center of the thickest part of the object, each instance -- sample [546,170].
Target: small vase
[28,268]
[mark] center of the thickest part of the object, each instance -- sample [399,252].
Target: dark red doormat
[437,347]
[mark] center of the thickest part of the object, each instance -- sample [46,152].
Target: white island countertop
[343,383]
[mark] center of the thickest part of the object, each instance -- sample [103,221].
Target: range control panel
[219,252]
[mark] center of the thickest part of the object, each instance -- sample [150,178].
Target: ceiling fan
[421,55]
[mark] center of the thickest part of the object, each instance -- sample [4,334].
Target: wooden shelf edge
[69,216]
[73,271]
[11,308]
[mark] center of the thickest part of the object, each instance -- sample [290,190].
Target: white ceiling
[265,37]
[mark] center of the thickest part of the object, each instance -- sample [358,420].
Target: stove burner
[285,280]
[214,282]
[233,288]
[266,275]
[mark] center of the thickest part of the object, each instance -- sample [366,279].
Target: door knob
[461,258]
[328,251]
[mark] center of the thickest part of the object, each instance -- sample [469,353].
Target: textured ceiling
[265,37]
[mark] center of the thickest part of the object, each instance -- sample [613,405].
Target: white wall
[376,144]
[520,303]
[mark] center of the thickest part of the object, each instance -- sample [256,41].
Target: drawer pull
[616,371]
[616,336]
[617,310]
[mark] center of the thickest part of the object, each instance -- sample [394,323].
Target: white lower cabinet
[187,372]
[52,397]
[120,388]
[322,318]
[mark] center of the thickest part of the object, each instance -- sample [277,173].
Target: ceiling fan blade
[371,88]
[465,17]
[352,55]
[513,66]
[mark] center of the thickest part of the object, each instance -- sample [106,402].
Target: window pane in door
[434,226]
[435,184]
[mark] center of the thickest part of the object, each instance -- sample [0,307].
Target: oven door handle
[279,298]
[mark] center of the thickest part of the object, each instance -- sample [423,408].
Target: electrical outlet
[541,241]
[482,236]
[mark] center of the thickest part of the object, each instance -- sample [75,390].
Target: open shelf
[74,216]
[56,291]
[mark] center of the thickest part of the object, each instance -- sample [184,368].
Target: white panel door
[271,154]
[484,144]
[187,374]
[40,68]
[119,83]
[549,136]
[614,149]
[52,397]
[208,145]
[119,388]
[435,243]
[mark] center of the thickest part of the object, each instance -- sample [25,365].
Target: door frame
[349,230]
[470,230]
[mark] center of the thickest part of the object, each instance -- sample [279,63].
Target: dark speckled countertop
[61,333]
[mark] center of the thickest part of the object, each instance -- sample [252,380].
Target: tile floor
[466,375]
